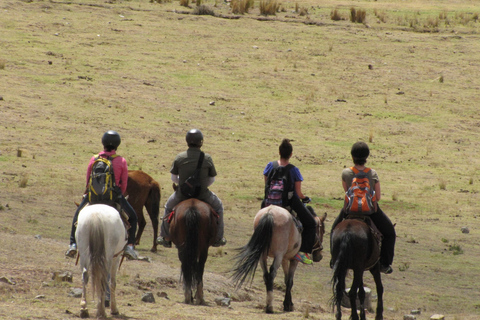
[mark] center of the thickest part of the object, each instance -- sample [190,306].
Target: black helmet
[360,150]
[111,140]
[194,138]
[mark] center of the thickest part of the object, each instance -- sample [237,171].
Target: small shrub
[335,15]
[303,12]
[394,196]
[23,181]
[203,10]
[184,3]
[455,249]
[2,64]
[404,266]
[441,79]
[442,184]
[269,7]
[357,16]
[470,181]
[241,6]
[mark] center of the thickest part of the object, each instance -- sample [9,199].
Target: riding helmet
[194,138]
[360,150]
[111,140]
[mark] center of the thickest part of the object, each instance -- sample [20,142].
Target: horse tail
[344,247]
[249,255]
[98,259]
[189,254]
[154,196]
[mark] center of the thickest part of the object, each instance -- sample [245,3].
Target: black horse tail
[249,255]
[98,258]
[189,253]
[344,260]
[154,196]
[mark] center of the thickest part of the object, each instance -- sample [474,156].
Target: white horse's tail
[98,260]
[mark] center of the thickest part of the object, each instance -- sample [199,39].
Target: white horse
[101,237]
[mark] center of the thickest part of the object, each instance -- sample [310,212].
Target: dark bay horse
[193,229]
[355,246]
[275,235]
[144,191]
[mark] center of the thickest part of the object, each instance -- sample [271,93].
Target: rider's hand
[306,200]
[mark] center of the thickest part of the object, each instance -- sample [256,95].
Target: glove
[306,200]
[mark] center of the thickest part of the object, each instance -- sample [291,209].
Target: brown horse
[144,191]
[355,246]
[193,229]
[276,235]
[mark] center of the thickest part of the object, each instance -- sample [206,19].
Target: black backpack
[101,186]
[191,187]
[278,187]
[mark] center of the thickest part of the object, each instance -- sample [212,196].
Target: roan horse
[276,235]
[144,191]
[193,229]
[355,246]
[101,237]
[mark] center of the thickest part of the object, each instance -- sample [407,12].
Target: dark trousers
[385,226]
[132,219]
[308,222]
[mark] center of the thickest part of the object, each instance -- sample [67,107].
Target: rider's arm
[175,178]
[298,189]
[210,181]
[378,195]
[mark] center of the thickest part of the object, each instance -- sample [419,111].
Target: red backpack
[360,199]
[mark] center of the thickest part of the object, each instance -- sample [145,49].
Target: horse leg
[113,285]
[141,224]
[379,287]
[289,268]
[199,300]
[152,207]
[267,278]
[83,303]
[356,284]
[361,297]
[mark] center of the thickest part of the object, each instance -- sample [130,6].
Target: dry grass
[151,73]
[269,7]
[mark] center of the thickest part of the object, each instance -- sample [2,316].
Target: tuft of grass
[456,249]
[269,7]
[23,181]
[336,16]
[357,16]
[203,10]
[442,184]
[241,6]
[3,62]
[184,3]
[394,196]
[404,266]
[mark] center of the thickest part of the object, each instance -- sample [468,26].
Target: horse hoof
[269,309]
[154,249]
[84,313]
[289,308]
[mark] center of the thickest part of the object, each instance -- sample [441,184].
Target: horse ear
[324,216]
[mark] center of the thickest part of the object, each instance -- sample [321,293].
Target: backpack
[278,187]
[360,198]
[101,186]
[192,186]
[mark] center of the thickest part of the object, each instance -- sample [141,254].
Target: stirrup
[163,242]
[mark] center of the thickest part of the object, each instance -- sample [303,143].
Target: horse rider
[110,140]
[184,166]
[360,153]
[297,201]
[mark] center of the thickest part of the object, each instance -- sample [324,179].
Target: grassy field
[405,81]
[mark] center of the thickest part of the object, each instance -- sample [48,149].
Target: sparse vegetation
[241,6]
[357,15]
[154,70]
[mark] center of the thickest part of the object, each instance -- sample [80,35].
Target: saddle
[377,239]
[118,207]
